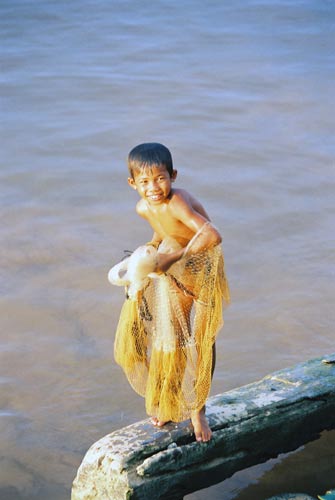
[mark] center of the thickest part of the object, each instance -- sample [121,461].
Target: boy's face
[153,184]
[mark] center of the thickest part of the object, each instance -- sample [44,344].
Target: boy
[165,339]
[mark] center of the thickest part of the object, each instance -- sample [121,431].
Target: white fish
[133,271]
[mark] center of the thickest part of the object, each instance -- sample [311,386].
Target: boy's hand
[165,260]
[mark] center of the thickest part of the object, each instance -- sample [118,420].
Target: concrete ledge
[250,425]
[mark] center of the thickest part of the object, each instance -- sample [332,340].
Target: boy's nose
[153,185]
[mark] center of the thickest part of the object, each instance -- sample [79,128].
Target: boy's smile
[153,184]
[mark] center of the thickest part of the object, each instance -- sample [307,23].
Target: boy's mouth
[155,197]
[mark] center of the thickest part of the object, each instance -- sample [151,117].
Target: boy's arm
[141,210]
[165,260]
[155,241]
[195,217]
[191,218]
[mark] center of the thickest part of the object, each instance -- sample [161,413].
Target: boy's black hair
[149,154]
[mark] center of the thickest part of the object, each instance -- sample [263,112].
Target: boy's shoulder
[185,202]
[182,197]
[141,207]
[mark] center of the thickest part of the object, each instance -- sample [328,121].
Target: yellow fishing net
[165,336]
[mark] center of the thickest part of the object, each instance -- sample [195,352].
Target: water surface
[241,93]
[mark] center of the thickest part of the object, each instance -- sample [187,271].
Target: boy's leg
[199,421]
[213,358]
[202,431]
[182,327]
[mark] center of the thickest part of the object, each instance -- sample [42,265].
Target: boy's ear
[174,175]
[131,183]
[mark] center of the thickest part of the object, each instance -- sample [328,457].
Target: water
[241,92]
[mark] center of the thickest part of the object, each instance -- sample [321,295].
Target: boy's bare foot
[157,423]
[201,427]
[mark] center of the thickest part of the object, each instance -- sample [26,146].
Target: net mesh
[165,335]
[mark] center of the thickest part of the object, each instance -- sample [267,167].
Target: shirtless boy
[173,214]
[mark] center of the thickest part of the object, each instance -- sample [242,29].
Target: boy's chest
[166,225]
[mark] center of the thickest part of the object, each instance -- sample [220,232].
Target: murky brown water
[241,94]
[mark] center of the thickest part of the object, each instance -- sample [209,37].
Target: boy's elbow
[212,236]
[218,239]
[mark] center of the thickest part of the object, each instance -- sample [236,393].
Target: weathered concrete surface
[250,425]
